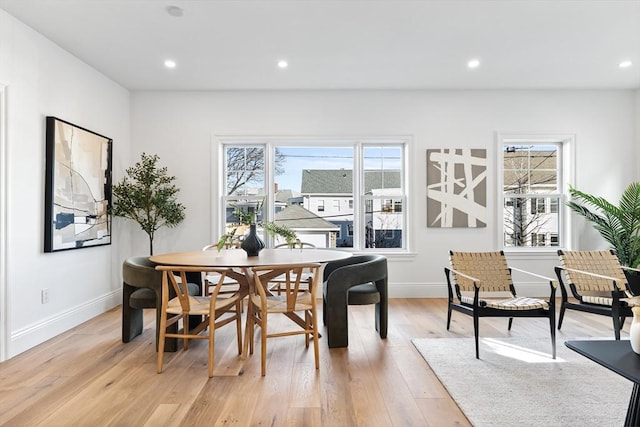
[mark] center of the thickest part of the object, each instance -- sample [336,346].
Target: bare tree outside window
[530,185]
[245,168]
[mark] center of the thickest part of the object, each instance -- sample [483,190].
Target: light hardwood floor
[88,377]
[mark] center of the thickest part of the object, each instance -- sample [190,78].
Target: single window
[538,206]
[384,196]
[538,239]
[532,191]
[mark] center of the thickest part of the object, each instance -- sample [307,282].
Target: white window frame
[358,144]
[566,175]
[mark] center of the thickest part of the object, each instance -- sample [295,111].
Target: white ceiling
[347,44]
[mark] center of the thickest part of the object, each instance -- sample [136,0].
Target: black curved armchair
[142,288]
[357,280]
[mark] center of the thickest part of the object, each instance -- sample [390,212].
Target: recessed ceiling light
[169,63]
[175,11]
[283,64]
[474,63]
[625,64]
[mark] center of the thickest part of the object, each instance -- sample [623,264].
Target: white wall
[42,79]
[179,127]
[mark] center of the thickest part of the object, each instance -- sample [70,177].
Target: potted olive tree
[618,224]
[147,195]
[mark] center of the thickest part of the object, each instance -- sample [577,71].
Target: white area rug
[517,383]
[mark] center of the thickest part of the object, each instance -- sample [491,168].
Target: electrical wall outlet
[44,296]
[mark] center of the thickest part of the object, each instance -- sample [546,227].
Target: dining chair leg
[239,325]
[185,331]
[263,349]
[163,331]
[307,327]
[316,345]
[212,344]
[248,336]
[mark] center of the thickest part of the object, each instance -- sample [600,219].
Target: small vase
[252,243]
[634,331]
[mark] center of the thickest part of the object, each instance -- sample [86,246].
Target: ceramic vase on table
[252,243]
[634,330]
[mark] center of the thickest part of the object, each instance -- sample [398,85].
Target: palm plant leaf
[618,225]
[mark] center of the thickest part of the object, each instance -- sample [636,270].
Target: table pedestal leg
[633,412]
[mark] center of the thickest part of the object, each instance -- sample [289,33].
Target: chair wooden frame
[216,312]
[263,303]
[278,283]
[483,272]
[230,286]
[597,282]
[140,274]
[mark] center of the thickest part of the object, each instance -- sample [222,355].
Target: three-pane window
[333,193]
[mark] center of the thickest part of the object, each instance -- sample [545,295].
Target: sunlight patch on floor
[524,354]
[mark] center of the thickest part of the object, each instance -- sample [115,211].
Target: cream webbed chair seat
[474,275]
[516,303]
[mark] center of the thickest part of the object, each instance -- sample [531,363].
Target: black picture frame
[77,187]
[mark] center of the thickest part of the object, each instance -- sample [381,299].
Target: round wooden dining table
[237,258]
[240,264]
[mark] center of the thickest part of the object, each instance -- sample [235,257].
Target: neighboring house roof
[285,195]
[296,217]
[340,181]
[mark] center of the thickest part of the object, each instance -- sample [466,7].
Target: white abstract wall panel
[456,187]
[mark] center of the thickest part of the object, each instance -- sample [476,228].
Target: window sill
[537,254]
[400,256]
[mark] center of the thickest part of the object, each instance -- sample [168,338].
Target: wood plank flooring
[88,377]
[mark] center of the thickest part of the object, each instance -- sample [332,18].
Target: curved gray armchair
[357,280]
[142,288]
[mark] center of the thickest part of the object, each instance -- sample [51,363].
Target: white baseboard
[37,333]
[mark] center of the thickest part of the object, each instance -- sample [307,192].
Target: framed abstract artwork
[77,187]
[456,187]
